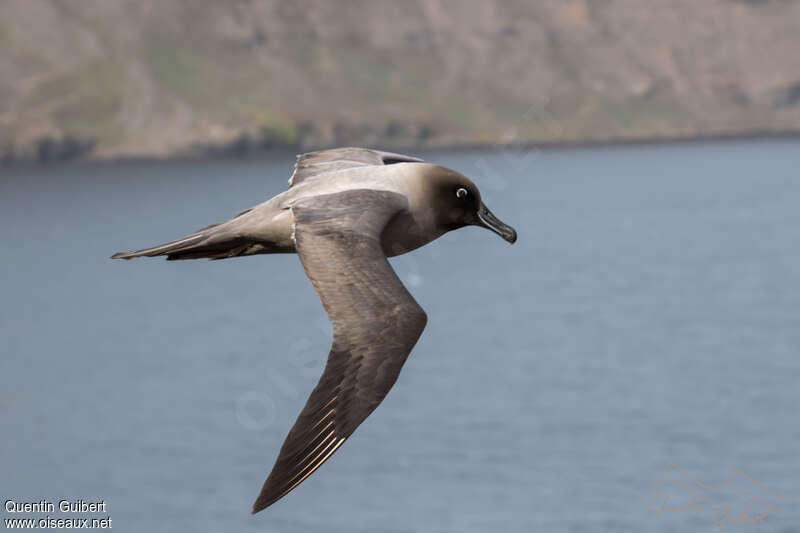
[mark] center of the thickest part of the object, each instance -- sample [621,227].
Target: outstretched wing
[376,323]
[314,164]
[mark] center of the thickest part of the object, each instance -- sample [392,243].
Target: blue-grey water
[648,314]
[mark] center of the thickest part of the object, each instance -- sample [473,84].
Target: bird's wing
[376,323]
[314,164]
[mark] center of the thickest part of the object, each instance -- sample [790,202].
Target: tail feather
[213,242]
[217,245]
[164,249]
[217,241]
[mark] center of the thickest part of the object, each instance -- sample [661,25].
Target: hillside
[112,78]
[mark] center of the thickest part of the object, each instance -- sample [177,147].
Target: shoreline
[219,154]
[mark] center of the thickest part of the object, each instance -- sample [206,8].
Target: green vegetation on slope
[125,79]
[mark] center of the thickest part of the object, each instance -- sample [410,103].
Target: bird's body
[345,212]
[269,226]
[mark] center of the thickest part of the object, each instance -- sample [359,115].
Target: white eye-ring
[461,193]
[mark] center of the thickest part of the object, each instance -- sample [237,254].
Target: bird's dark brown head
[457,203]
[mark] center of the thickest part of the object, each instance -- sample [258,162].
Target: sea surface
[645,327]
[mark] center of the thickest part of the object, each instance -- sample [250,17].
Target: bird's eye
[461,193]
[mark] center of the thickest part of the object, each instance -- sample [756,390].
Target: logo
[740,500]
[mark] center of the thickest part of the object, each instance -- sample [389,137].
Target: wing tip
[269,495]
[259,506]
[265,499]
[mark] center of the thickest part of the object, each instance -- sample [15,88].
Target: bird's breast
[404,233]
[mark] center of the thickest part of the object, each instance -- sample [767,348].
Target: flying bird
[345,212]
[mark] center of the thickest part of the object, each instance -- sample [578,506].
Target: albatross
[346,211]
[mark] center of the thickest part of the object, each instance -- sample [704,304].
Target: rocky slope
[109,78]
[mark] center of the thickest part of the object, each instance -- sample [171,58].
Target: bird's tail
[203,243]
[217,241]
